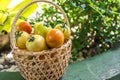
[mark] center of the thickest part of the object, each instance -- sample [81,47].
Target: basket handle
[12,36]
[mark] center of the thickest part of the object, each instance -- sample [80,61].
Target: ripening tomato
[54,38]
[36,43]
[24,26]
[21,38]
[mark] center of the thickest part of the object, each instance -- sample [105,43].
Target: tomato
[36,43]
[40,29]
[21,38]
[54,38]
[24,26]
[65,29]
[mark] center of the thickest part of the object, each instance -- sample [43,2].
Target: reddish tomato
[54,38]
[24,26]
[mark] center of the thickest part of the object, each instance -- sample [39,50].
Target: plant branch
[76,20]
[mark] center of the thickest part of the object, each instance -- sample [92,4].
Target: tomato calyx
[31,39]
[65,27]
[18,34]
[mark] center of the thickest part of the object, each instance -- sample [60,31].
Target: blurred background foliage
[95,24]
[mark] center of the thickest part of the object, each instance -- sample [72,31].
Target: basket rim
[43,52]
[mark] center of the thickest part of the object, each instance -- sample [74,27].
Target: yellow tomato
[36,43]
[21,38]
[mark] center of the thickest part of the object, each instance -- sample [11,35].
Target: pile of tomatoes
[40,37]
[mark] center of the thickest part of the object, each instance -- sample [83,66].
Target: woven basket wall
[45,65]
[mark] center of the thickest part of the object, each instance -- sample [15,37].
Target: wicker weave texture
[45,65]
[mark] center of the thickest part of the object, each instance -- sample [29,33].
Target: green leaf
[4,4]
[13,13]
[3,18]
[29,10]
[1,27]
[7,24]
[114,9]
[19,6]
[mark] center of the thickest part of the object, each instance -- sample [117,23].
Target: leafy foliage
[94,23]
[7,14]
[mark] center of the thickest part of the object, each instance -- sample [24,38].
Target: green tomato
[36,43]
[40,29]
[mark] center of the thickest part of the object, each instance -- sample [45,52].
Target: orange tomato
[54,38]
[65,29]
[24,26]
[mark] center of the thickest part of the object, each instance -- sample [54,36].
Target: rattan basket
[44,65]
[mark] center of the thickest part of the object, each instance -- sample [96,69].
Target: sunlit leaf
[29,10]
[13,13]
[20,5]
[26,12]
[1,27]
[7,24]
[4,4]
[3,17]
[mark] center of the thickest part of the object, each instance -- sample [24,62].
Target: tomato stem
[31,39]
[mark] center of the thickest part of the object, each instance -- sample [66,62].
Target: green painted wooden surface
[10,76]
[100,67]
